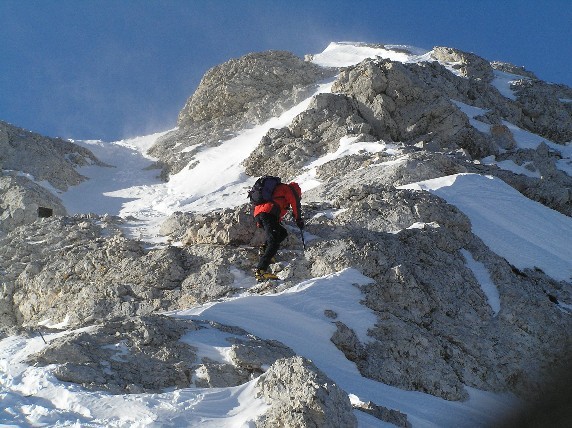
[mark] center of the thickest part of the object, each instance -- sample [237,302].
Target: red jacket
[283,197]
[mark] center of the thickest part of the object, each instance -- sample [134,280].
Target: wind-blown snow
[503,80]
[345,54]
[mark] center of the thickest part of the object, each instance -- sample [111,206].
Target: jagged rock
[468,64]
[51,159]
[229,226]
[435,332]
[391,416]
[234,95]
[244,85]
[543,111]
[503,137]
[257,354]
[299,394]
[219,375]
[141,354]
[65,269]
[311,134]
[347,341]
[513,69]
[20,199]
[400,106]
[68,269]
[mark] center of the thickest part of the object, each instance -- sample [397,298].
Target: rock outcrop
[232,96]
[141,354]
[20,200]
[51,159]
[300,395]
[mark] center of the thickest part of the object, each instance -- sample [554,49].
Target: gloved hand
[300,223]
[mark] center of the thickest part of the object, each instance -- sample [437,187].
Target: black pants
[275,234]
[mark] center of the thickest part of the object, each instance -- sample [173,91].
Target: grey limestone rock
[20,199]
[141,354]
[241,86]
[435,330]
[257,354]
[391,416]
[468,64]
[232,96]
[51,159]
[301,395]
[212,374]
[544,111]
[311,134]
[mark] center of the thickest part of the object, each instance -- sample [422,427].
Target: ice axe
[302,235]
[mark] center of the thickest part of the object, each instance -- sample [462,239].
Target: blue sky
[114,69]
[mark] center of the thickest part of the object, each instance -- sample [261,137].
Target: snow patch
[484,279]
[526,233]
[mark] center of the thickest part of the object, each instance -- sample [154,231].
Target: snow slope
[32,396]
[526,233]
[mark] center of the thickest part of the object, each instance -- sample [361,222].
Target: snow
[526,233]
[510,165]
[484,278]
[502,82]
[344,54]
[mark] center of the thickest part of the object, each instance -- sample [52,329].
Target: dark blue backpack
[262,189]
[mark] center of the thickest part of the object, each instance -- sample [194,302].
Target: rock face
[234,95]
[81,269]
[20,199]
[147,354]
[300,395]
[248,86]
[435,330]
[51,159]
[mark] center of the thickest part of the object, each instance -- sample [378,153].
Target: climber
[268,216]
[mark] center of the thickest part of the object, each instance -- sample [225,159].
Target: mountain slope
[427,280]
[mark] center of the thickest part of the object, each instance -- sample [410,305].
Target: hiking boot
[262,275]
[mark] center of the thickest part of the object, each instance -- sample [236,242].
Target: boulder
[300,395]
[21,200]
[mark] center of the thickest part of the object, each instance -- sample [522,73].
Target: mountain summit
[435,289]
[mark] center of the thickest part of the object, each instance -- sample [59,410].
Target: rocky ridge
[235,95]
[435,331]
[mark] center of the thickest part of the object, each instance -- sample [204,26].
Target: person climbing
[268,213]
